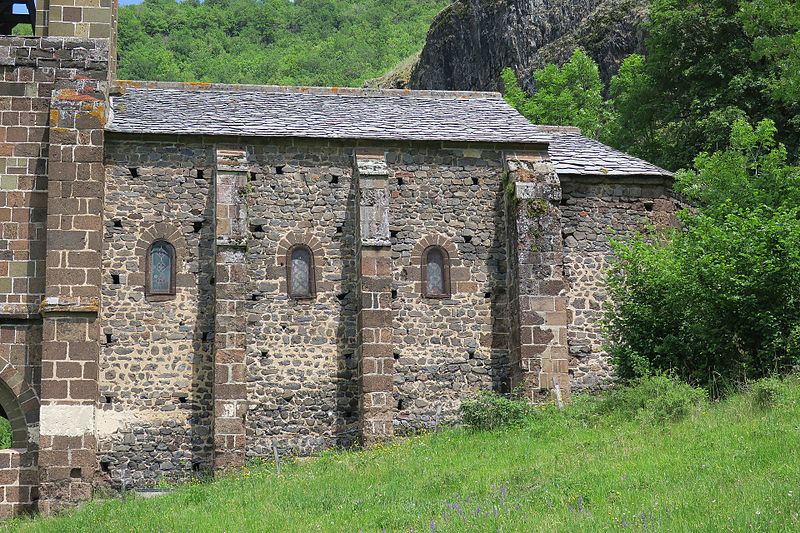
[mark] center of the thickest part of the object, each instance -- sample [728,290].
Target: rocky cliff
[471,41]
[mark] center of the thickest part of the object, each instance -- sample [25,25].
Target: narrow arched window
[161,268]
[435,273]
[300,275]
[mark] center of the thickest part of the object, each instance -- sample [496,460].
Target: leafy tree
[631,94]
[306,42]
[709,64]
[567,96]
[719,301]
[774,26]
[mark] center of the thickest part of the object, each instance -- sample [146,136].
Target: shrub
[765,393]
[718,303]
[659,398]
[489,410]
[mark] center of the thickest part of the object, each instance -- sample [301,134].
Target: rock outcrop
[471,41]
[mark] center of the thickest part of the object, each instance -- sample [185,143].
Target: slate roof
[574,154]
[319,113]
[376,114]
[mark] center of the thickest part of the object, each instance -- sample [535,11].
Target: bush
[718,303]
[489,410]
[765,393]
[659,398]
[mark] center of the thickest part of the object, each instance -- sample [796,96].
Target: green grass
[732,466]
[5,433]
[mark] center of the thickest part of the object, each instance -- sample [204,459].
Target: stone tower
[53,101]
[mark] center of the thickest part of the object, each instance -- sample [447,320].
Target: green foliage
[5,433]
[566,96]
[766,393]
[631,93]
[709,65]
[489,410]
[728,468]
[718,303]
[306,42]
[22,29]
[653,399]
[774,26]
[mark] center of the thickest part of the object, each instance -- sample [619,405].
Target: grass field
[729,467]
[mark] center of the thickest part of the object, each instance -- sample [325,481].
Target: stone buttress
[539,355]
[374,256]
[230,338]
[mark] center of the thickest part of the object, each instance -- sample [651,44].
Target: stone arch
[19,404]
[174,237]
[300,239]
[414,270]
[19,476]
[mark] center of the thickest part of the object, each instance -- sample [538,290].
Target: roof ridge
[120,86]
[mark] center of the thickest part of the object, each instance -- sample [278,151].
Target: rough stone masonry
[192,275]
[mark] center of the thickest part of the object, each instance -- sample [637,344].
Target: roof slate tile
[330,113]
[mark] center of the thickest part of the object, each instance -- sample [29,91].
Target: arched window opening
[161,268]
[17,12]
[300,275]
[435,273]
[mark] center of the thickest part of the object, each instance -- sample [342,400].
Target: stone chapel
[193,274]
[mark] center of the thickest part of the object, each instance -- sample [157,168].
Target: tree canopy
[708,65]
[305,42]
[717,302]
[570,95]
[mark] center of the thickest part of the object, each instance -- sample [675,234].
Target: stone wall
[30,69]
[76,18]
[19,483]
[593,211]
[301,360]
[300,366]
[155,365]
[445,349]
[52,110]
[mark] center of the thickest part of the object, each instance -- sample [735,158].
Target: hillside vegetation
[707,66]
[601,465]
[305,42]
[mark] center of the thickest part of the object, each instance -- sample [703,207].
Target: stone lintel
[59,305]
[19,311]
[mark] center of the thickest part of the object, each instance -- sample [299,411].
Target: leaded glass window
[161,268]
[436,275]
[301,272]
